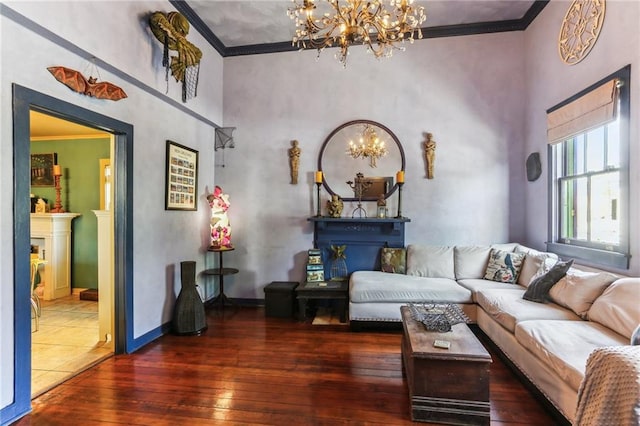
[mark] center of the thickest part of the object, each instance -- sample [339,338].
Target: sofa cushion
[538,290]
[533,261]
[618,307]
[504,266]
[578,289]
[470,261]
[565,345]
[393,260]
[375,286]
[430,261]
[507,307]
[476,285]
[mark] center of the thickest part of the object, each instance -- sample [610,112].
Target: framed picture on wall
[42,169]
[181,191]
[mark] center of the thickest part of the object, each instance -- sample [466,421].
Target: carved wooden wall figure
[430,154]
[294,161]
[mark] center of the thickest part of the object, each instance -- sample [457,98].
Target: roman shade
[593,109]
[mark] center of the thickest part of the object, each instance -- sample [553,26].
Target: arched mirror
[361,146]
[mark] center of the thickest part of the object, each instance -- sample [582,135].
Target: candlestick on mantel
[57,170]
[400,176]
[319,177]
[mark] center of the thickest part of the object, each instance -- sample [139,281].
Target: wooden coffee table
[449,386]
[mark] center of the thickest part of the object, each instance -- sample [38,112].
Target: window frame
[599,254]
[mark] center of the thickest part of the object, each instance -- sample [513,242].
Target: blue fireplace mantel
[364,237]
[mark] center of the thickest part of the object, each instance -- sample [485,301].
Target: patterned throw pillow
[393,260]
[538,290]
[504,266]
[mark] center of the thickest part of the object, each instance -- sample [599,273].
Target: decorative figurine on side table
[220,226]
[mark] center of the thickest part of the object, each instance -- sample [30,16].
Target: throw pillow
[393,260]
[538,290]
[578,289]
[504,266]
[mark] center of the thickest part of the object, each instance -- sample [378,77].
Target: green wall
[80,193]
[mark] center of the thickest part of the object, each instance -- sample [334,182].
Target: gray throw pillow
[538,290]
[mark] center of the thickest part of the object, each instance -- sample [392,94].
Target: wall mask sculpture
[171,30]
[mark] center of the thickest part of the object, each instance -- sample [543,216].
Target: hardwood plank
[248,369]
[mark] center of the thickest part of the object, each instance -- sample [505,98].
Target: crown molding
[427,32]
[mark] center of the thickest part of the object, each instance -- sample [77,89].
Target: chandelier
[370,146]
[357,21]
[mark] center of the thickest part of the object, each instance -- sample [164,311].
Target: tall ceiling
[262,26]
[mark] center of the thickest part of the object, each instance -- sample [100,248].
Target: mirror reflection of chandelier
[357,21]
[369,146]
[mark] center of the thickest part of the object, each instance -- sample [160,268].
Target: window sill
[599,257]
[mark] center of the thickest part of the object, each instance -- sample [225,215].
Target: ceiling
[48,127]
[262,26]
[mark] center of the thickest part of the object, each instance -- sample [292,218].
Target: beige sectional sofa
[548,342]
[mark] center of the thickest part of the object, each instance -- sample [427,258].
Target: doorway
[72,325]
[24,101]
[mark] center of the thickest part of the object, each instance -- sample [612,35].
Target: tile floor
[65,343]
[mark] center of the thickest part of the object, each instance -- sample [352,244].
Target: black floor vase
[188,315]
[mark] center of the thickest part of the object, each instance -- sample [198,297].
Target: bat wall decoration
[87,86]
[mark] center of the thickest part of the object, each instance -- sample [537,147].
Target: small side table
[220,272]
[332,290]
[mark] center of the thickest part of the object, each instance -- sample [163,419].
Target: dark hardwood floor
[247,369]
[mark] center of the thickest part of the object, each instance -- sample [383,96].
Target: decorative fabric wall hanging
[87,86]
[171,30]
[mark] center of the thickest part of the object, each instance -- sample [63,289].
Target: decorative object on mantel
[57,174]
[294,161]
[359,187]
[335,206]
[171,30]
[400,182]
[580,29]
[338,269]
[318,181]
[356,22]
[224,140]
[220,226]
[370,146]
[437,316]
[534,168]
[382,206]
[429,154]
[77,82]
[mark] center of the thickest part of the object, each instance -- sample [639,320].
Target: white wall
[118,34]
[550,81]
[467,91]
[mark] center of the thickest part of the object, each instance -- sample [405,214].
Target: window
[588,152]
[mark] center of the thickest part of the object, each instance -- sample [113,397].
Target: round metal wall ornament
[580,29]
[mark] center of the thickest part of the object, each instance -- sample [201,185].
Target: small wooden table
[449,386]
[338,290]
[220,272]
